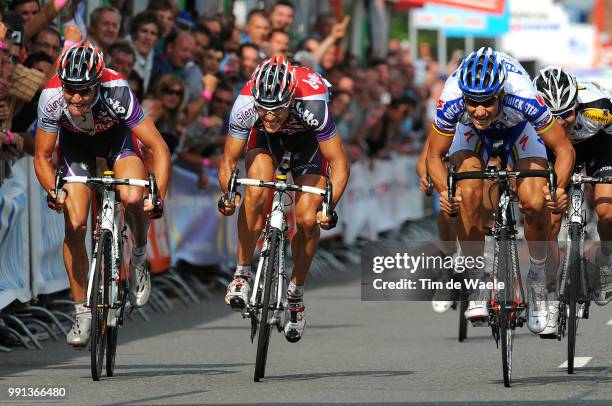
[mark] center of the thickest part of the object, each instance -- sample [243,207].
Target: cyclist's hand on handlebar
[327,222]
[226,207]
[448,207]
[154,209]
[557,205]
[57,205]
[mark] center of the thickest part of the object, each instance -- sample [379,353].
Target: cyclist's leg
[124,159]
[76,212]
[601,148]
[260,164]
[531,154]
[466,155]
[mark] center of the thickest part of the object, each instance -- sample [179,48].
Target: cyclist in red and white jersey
[89,111]
[283,109]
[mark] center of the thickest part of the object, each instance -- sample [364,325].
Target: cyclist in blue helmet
[490,98]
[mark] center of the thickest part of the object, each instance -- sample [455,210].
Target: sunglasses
[564,115]
[175,92]
[81,92]
[277,112]
[484,103]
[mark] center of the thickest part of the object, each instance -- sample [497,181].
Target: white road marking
[579,362]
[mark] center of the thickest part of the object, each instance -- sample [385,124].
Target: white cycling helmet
[558,88]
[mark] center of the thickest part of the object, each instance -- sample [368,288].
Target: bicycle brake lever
[451,187]
[232,184]
[552,181]
[327,199]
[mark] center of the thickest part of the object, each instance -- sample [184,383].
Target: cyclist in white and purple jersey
[283,108]
[491,98]
[85,112]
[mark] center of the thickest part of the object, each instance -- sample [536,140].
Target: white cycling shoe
[296,323]
[78,336]
[441,306]
[537,299]
[140,285]
[237,295]
[550,331]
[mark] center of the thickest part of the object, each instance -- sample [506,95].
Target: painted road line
[579,362]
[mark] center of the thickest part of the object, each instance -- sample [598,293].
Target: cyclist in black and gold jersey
[584,109]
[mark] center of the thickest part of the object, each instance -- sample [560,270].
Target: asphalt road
[353,352]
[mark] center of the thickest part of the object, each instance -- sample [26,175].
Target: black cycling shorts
[306,157]
[594,153]
[78,152]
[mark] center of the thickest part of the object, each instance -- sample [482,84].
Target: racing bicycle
[107,288]
[507,306]
[267,306]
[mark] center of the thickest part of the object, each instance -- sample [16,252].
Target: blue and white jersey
[521,103]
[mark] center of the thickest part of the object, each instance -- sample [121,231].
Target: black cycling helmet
[274,83]
[558,88]
[81,66]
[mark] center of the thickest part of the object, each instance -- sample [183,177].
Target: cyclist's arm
[147,133]
[232,151]
[44,144]
[333,151]
[557,141]
[438,147]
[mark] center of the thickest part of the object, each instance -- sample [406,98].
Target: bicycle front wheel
[507,300]
[264,330]
[99,303]
[463,305]
[571,292]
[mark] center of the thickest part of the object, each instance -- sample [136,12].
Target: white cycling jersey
[594,112]
[521,103]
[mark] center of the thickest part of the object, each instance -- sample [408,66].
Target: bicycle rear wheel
[507,301]
[264,330]
[571,292]
[99,303]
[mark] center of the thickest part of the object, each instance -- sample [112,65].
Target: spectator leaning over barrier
[145,32]
[281,16]
[165,107]
[166,12]
[46,41]
[278,44]
[103,29]
[122,58]
[25,119]
[179,51]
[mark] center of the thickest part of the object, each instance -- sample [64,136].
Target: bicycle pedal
[479,322]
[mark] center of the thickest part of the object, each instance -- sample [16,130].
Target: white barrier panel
[46,241]
[410,202]
[384,182]
[358,205]
[14,236]
[197,230]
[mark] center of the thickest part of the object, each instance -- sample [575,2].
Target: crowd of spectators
[186,70]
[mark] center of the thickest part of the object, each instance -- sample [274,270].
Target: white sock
[243,271]
[537,269]
[81,310]
[295,291]
[139,256]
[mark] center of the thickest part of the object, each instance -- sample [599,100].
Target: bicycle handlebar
[498,175]
[579,178]
[327,194]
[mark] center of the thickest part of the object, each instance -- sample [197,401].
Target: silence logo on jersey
[116,106]
[540,100]
[599,116]
[440,104]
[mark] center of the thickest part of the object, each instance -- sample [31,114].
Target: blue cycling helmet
[482,75]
